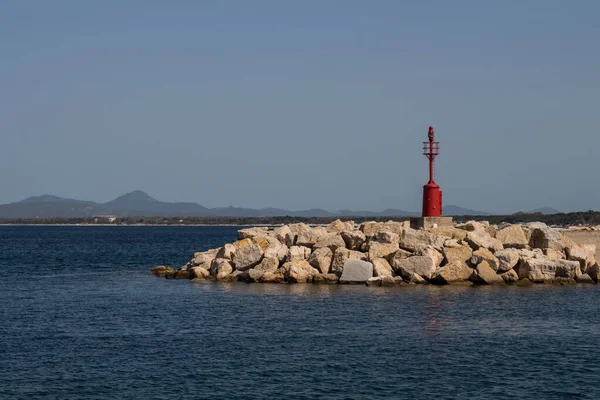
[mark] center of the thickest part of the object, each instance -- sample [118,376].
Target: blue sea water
[81,319]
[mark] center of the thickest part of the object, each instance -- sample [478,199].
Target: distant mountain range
[138,203]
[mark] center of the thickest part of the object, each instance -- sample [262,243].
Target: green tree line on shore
[562,219]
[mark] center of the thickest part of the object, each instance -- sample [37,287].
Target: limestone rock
[182,274]
[452,273]
[451,243]
[594,272]
[454,254]
[395,258]
[386,237]
[221,268]
[546,238]
[536,225]
[247,255]
[508,259]
[527,232]
[249,233]
[340,226]
[289,233]
[334,242]
[585,254]
[491,229]
[325,278]
[585,278]
[199,272]
[423,266]
[426,250]
[353,239]
[299,227]
[239,276]
[537,270]
[418,279]
[512,236]
[184,267]
[161,270]
[298,271]
[170,273]
[374,281]
[472,226]
[285,235]
[254,275]
[370,228]
[272,277]
[410,239]
[568,269]
[484,273]
[525,254]
[204,257]
[379,250]
[265,241]
[309,238]
[341,255]
[553,254]
[268,264]
[481,239]
[298,253]
[276,250]
[321,259]
[510,276]
[227,252]
[356,271]
[484,254]
[381,267]
[449,232]
[388,281]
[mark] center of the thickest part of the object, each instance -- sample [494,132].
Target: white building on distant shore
[104,219]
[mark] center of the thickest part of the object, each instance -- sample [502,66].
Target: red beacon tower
[432,195]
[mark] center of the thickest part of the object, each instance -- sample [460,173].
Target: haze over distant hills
[139,203]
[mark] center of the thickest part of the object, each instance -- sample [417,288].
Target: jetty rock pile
[391,253]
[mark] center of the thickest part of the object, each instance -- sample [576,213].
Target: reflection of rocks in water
[435,315]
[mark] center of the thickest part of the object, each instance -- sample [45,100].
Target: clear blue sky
[301,104]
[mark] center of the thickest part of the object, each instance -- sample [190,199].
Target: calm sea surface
[80,319]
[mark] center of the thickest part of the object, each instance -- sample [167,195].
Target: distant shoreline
[139,225]
[586,218]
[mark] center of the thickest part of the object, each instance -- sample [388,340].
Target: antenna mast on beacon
[432,195]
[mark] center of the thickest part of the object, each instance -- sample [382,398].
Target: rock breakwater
[392,253]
